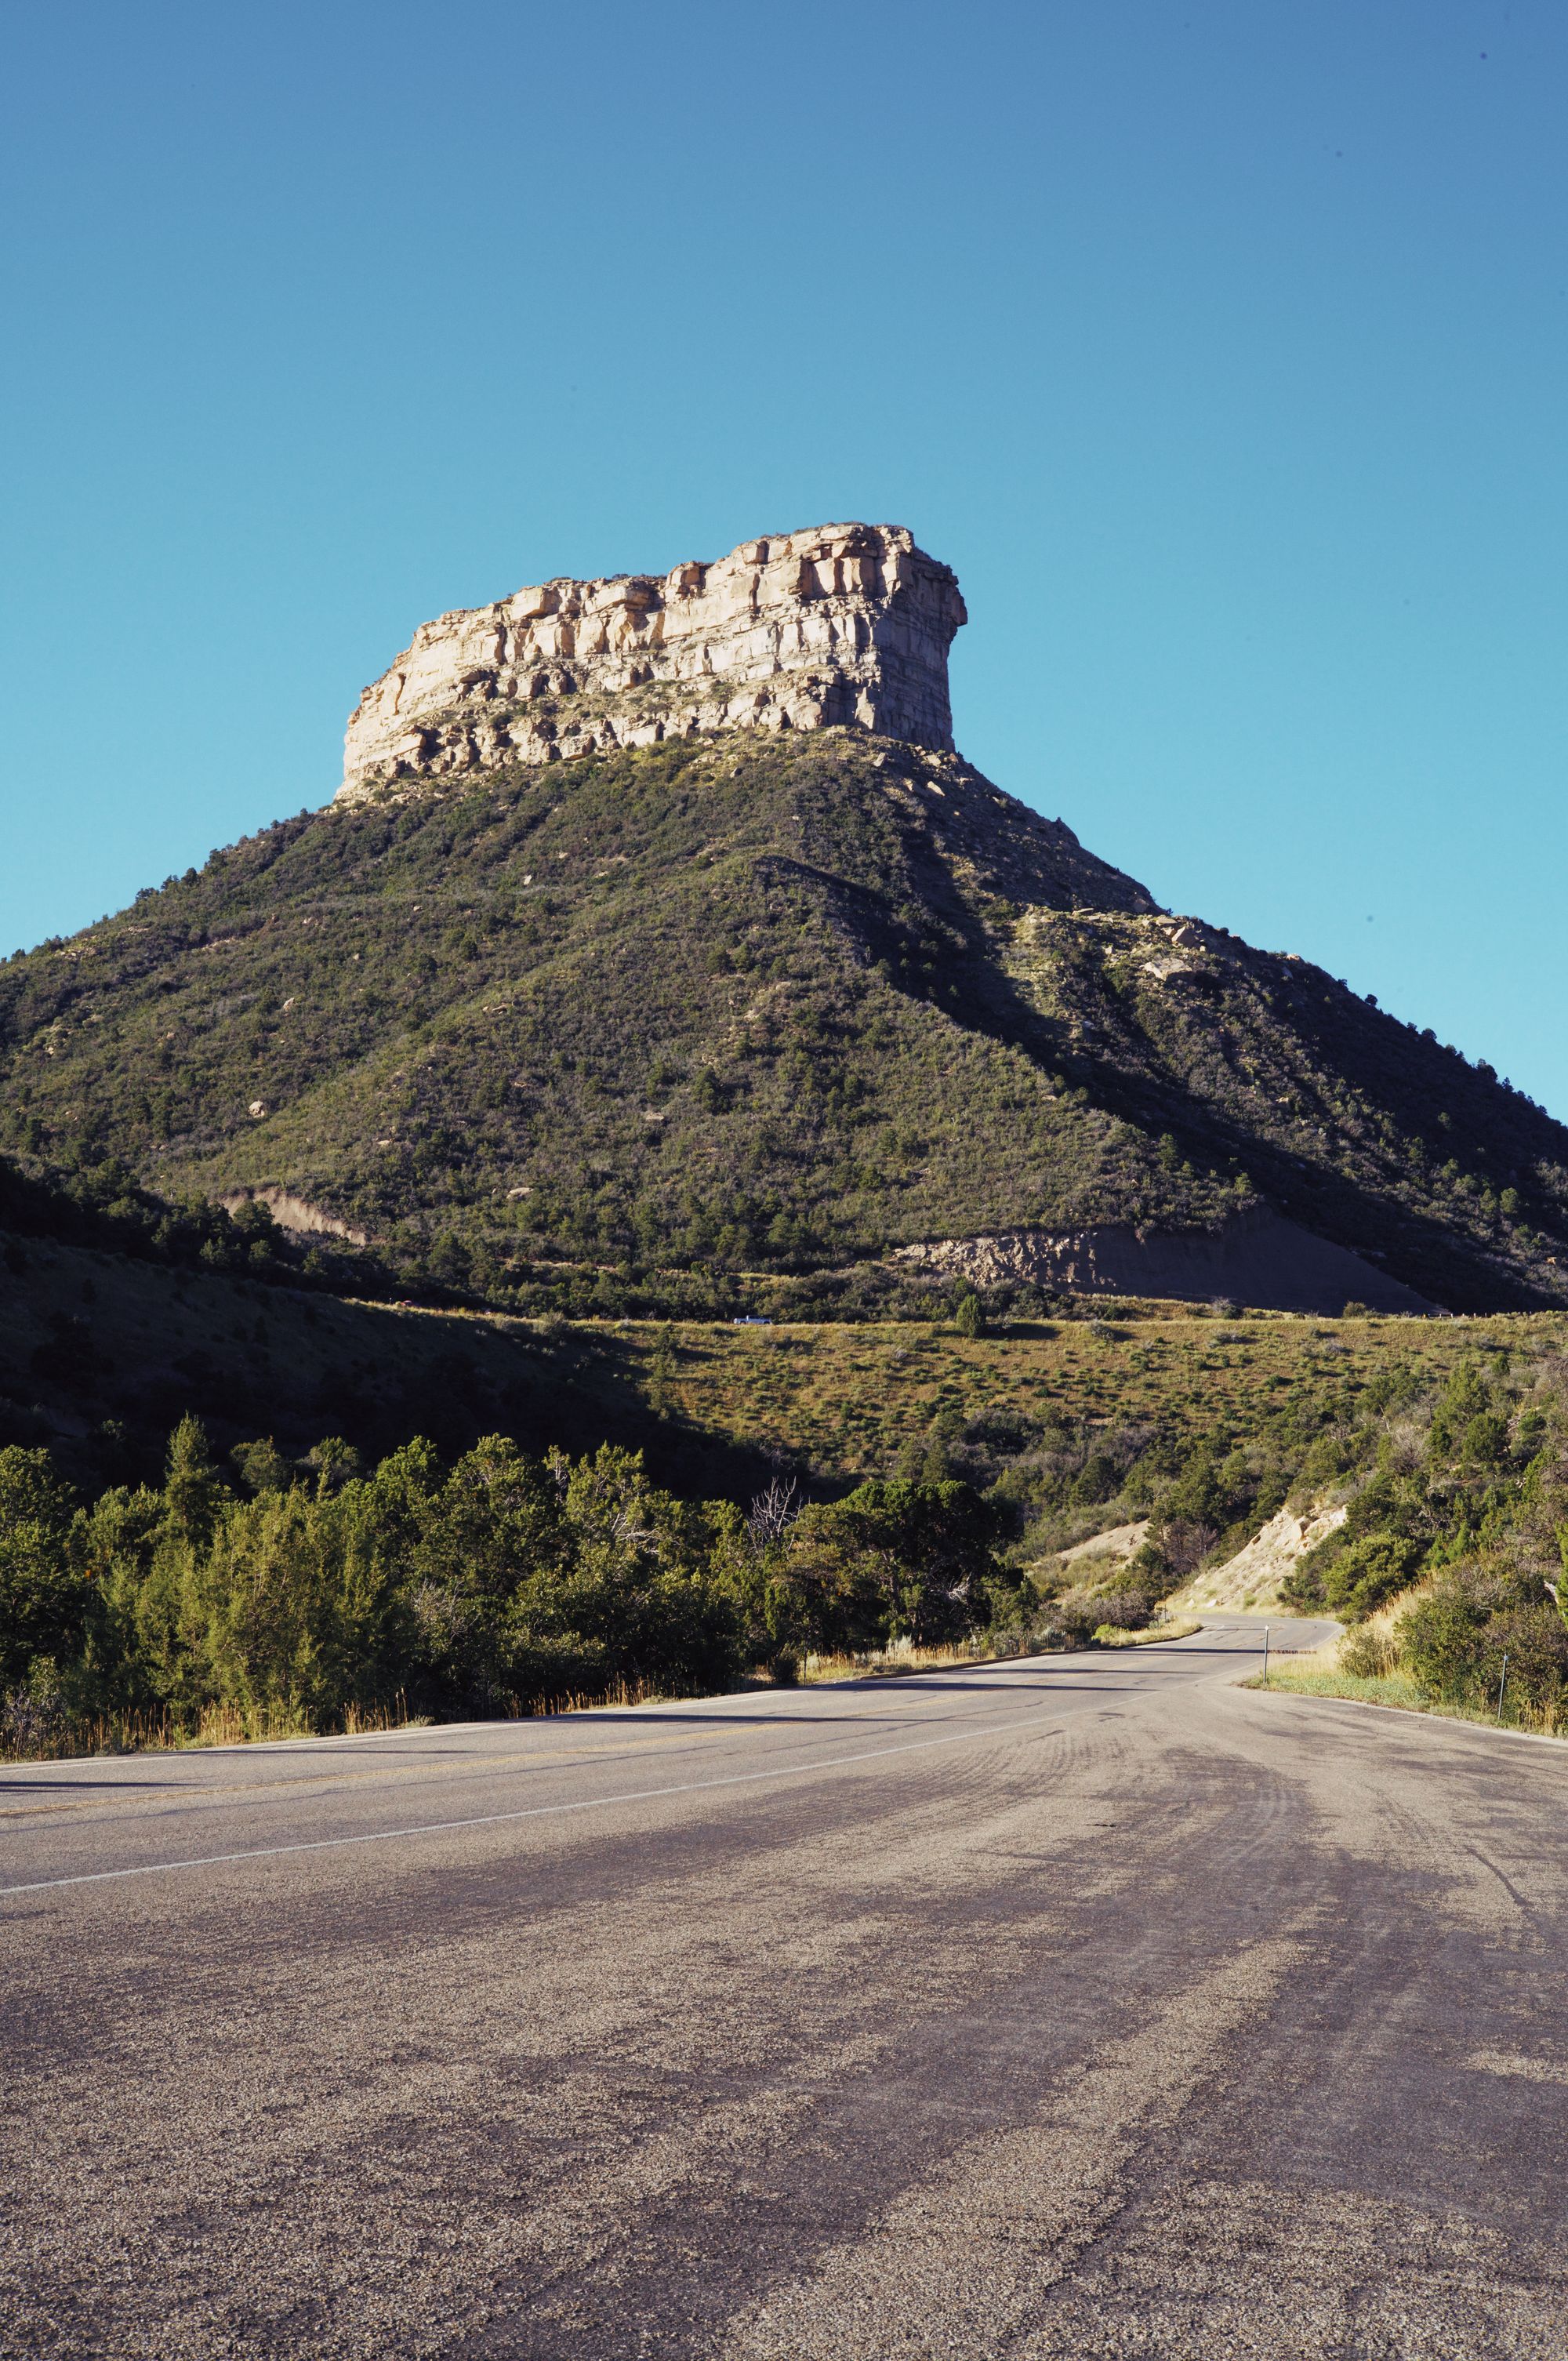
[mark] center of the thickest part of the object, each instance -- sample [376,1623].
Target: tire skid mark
[789,2188]
[631,2094]
[1405,2284]
[549,2134]
[961,2263]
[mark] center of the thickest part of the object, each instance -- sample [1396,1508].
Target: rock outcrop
[293,1214]
[846,623]
[1249,1582]
[1256,1257]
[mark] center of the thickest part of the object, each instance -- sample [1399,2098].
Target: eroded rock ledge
[842,624]
[1258,1258]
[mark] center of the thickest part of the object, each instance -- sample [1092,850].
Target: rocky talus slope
[816,1008]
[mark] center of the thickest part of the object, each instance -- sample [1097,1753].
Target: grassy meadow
[847,1399]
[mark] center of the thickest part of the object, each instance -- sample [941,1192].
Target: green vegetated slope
[92,1337]
[1450,1567]
[1199,1429]
[101,1354]
[1445,1443]
[303,1594]
[870,1400]
[748,1005]
[836,1486]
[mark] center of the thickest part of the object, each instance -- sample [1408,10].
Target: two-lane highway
[1085,2006]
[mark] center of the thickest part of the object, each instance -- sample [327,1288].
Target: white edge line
[528,1812]
[617,1716]
[1430,1719]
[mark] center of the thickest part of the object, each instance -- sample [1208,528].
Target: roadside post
[1266,1629]
[1502,1685]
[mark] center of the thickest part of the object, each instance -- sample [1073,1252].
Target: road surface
[1092,2005]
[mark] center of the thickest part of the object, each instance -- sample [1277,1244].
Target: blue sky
[1220,347]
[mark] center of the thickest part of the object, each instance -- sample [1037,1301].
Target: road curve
[1089,2005]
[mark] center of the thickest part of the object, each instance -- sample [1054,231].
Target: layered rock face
[845,623]
[1256,1257]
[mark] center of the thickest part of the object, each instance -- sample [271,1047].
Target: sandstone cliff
[845,623]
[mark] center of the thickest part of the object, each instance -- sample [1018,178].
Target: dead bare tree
[774,1511]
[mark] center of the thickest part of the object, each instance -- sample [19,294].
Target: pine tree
[193,1491]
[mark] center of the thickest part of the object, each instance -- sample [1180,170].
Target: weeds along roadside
[233,1726]
[1399,1692]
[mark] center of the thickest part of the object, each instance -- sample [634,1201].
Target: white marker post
[1266,1629]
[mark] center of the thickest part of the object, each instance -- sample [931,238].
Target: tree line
[301,1593]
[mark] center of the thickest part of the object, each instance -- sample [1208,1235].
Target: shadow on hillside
[101,1356]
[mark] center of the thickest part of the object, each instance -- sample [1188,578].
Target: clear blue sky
[1220,347]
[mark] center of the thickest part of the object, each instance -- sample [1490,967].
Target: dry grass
[56,1738]
[845,1399]
[903,1656]
[841,1398]
[1181,1626]
[619,1697]
[1313,1677]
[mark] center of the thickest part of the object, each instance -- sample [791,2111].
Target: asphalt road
[1087,2006]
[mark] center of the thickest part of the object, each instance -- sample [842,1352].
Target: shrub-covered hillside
[758,1004]
[1451,1563]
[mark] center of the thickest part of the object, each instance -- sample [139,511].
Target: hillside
[370,1518]
[770,1004]
[101,1354]
[807,1018]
